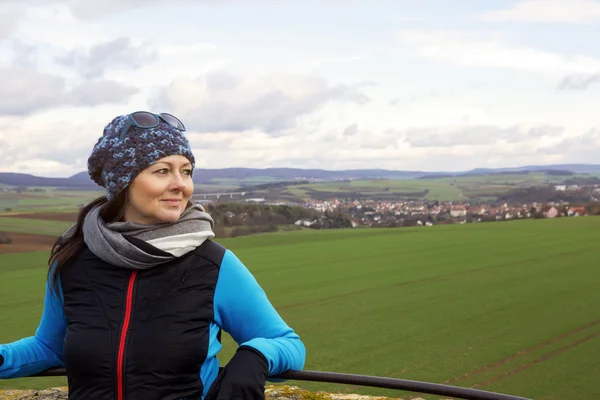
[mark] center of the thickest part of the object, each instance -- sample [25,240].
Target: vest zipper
[126,319]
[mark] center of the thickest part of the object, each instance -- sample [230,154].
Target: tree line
[546,194]
[239,219]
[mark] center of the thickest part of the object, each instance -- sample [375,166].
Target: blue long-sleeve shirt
[241,308]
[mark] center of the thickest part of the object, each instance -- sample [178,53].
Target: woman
[138,293]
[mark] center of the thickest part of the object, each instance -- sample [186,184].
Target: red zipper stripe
[124,335]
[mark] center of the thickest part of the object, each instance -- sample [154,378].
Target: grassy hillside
[457,188]
[506,307]
[47,199]
[41,227]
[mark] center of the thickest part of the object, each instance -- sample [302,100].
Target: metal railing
[372,381]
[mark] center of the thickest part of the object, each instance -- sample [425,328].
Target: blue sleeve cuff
[26,357]
[282,354]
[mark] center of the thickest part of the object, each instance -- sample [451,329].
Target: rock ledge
[272,393]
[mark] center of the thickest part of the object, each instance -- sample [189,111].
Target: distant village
[375,213]
[415,213]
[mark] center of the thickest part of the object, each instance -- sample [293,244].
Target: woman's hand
[243,378]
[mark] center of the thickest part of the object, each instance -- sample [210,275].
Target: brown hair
[65,249]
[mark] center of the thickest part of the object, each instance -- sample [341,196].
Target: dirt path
[524,352]
[537,360]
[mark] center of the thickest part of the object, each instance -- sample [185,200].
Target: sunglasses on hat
[146,120]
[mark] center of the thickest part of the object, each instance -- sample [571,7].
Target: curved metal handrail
[372,381]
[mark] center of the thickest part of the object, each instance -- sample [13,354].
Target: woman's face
[160,192]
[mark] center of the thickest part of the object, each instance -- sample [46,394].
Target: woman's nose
[177,182]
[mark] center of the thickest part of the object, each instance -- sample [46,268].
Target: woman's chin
[169,216]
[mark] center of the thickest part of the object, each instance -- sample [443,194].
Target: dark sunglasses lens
[145,119]
[173,121]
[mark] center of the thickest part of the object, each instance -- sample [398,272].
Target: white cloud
[96,9]
[49,145]
[350,130]
[100,91]
[181,50]
[579,81]
[117,54]
[85,8]
[26,90]
[222,101]
[53,142]
[7,24]
[56,28]
[584,144]
[24,55]
[480,135]
[433,148]
[569,11]
[39,167]
[467,49]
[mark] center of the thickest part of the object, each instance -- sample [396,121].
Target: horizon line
[522,167]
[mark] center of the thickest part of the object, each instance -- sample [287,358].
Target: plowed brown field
[26,242]
[46,216]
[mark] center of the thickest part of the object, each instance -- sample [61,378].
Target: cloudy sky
[399,84]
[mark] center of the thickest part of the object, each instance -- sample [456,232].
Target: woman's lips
[172,202]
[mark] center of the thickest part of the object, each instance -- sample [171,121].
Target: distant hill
[81,180]
[16,179]
[238,175]
[575,168]
[558,169]
[286,174]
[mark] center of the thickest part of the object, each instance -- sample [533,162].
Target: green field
[506,306]
[484,187]
[230,184]
[438,190]
[48,200]
[40,227]
[214,188]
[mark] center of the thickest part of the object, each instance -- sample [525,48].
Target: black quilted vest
[139,334]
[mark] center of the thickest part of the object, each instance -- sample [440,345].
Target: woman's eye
[188,172]
[162,171]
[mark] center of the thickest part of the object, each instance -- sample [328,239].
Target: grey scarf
[107,241]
